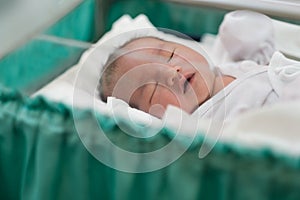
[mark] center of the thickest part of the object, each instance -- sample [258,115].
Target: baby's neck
[221,82]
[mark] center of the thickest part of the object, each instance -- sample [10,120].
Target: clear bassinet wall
[43,52]
[42,156]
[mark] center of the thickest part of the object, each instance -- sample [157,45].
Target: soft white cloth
[255,86]
[287,38]
[245,35]
[275,127]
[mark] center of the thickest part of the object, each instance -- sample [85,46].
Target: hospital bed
[48,149]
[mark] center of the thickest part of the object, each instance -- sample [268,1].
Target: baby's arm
[247,35]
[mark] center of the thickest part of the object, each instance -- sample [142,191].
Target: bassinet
[43,157]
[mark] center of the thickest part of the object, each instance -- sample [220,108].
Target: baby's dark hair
[106,82]
[108,74]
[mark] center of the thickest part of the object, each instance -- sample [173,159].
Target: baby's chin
[194,109]
[192,106]
[157,110]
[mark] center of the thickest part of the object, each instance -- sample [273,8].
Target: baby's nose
[174,76]
[177,68]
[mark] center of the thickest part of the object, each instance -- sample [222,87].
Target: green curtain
[190,20]
[42,157]
[38,61]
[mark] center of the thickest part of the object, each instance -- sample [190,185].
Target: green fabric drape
[38,61]
[186,19]
[42,157]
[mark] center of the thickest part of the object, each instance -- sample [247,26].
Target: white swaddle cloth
[256,86]
[246,35]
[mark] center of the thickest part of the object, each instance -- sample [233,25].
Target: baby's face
[155,73]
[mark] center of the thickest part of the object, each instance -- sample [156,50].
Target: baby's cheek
[167,97]
[160,103]
[202,89]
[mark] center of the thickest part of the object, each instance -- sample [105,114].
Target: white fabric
[245,35]
[255,86]
[275,127]
[287,38]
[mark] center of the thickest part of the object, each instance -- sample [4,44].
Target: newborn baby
[149,74]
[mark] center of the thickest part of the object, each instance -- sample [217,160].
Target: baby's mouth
[188,80]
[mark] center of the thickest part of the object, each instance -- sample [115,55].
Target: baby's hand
[248,35]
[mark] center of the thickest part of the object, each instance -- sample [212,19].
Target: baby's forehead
[145,42]
[143,50]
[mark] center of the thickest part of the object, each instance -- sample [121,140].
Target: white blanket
[255,86]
